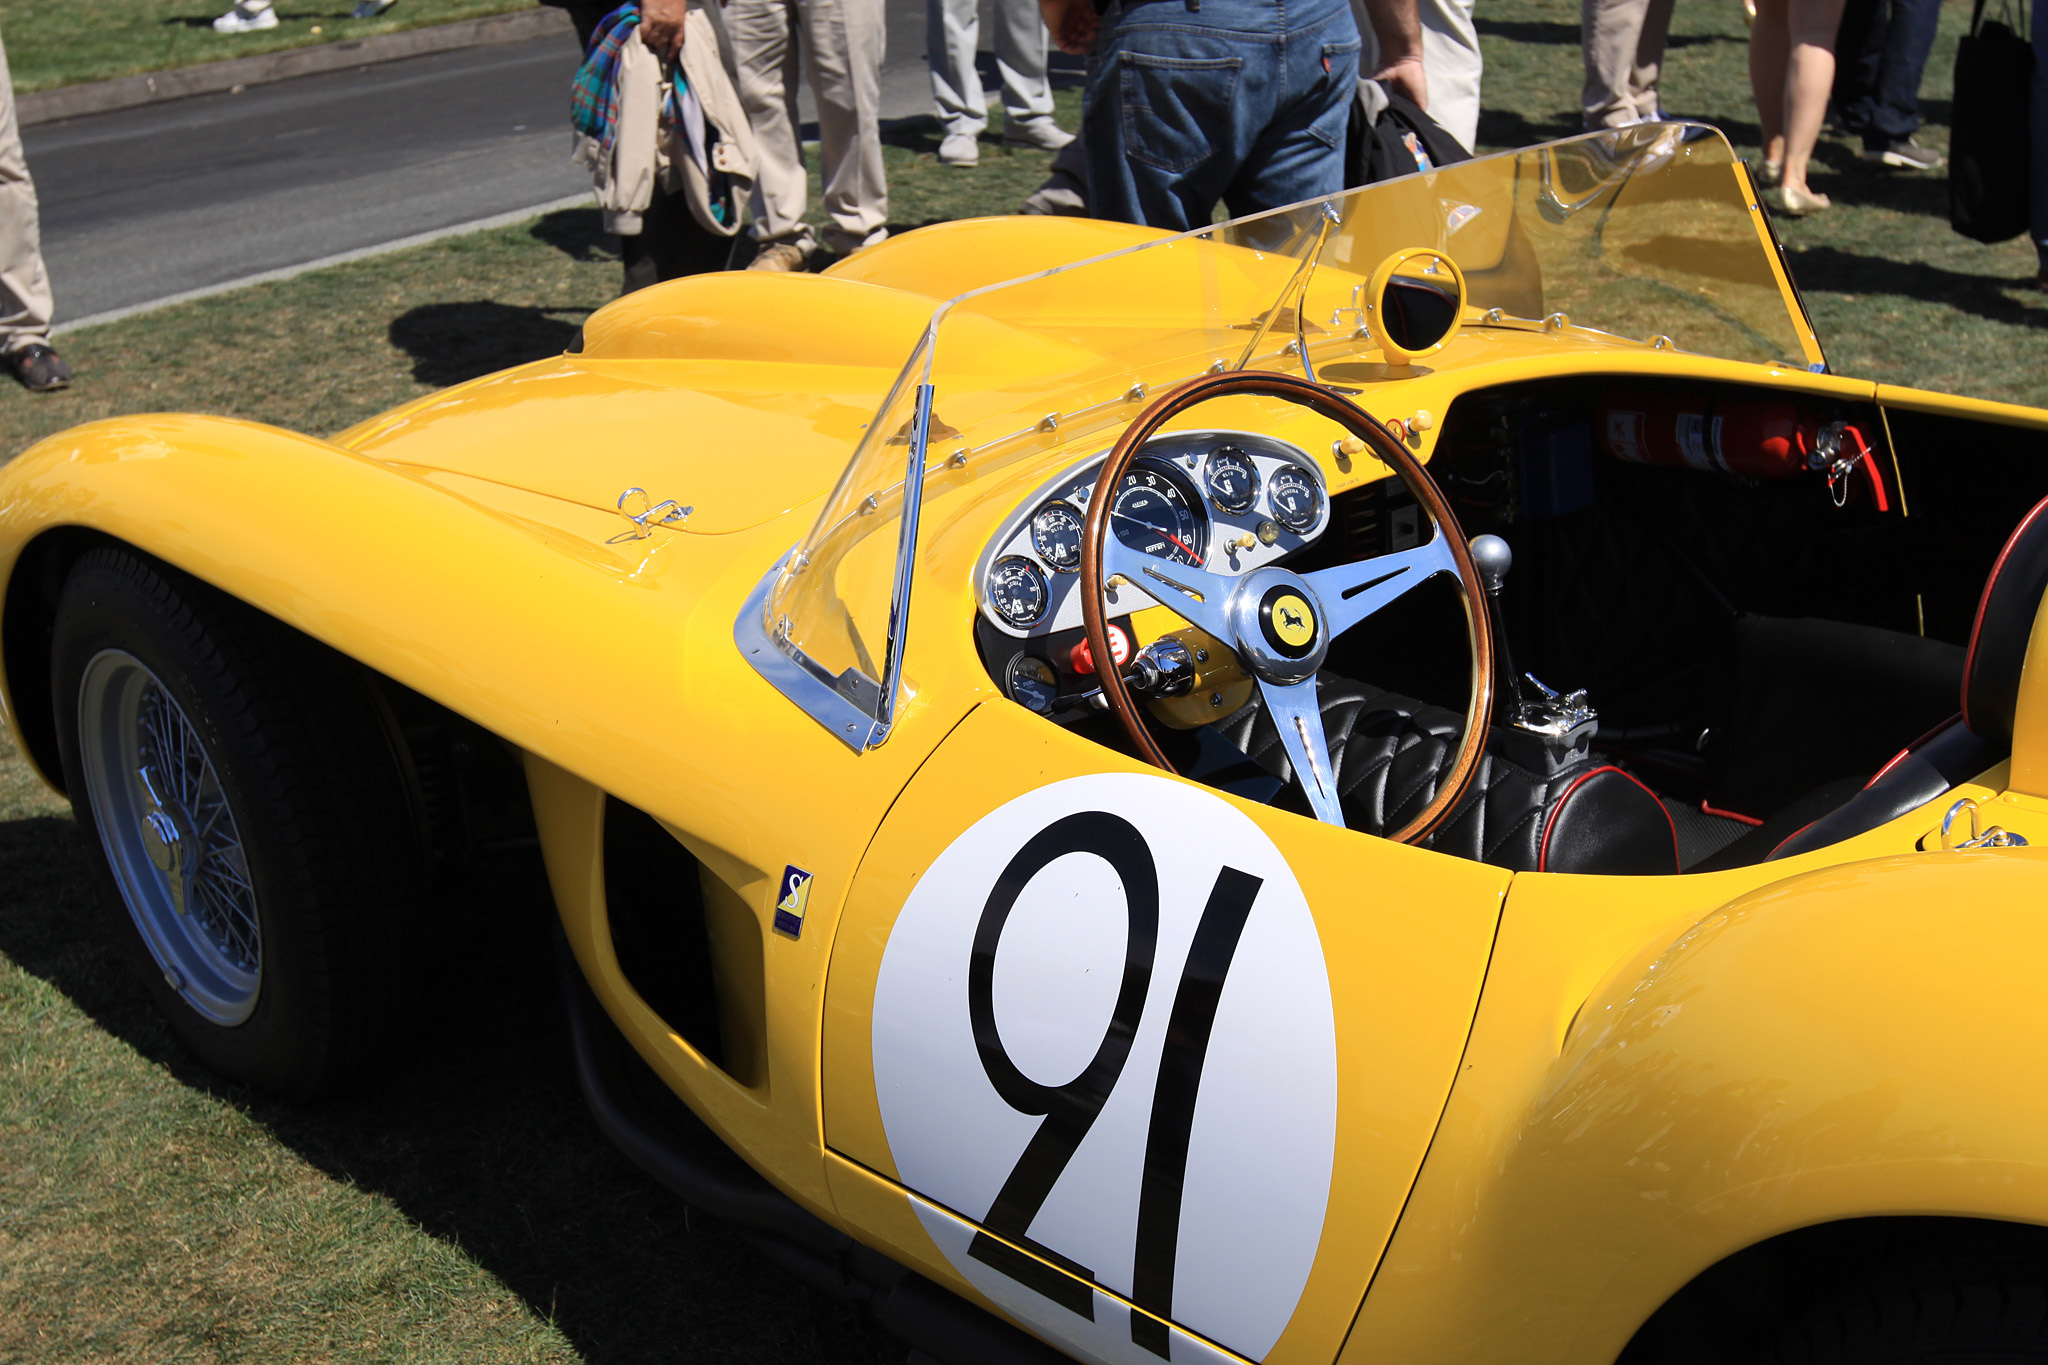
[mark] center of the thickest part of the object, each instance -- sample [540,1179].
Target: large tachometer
[1155,513]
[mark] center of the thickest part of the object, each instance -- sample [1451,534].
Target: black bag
[1989,147]
[1402,141]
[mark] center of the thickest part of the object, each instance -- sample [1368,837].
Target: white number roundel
[1102,1032]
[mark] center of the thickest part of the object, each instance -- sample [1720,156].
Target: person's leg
[1021,58]
[1859,52]
[1768,50]
[764,50]
[952,32]
[1610,32]
[1065,191]
[1299,152]
[1450,56]
[25,302]
[1809,75]
[844,41]
[675,243]
[1649,59]
[1895,102]
[2037,119]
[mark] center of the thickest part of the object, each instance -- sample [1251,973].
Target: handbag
[1399,139]
[1989,146]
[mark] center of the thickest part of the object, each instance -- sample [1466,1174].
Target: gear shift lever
[1493,557]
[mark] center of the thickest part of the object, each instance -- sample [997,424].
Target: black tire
[313,793]
[1968,1321]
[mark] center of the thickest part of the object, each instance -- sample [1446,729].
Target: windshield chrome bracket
[777,658]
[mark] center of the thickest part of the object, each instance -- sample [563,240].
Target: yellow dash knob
[1421,421]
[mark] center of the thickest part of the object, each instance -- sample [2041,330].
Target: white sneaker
[1056,200]
[1041,133]
[960,149]
[243,19]
[370,9]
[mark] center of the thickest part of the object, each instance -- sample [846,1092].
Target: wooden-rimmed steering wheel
[1281,623]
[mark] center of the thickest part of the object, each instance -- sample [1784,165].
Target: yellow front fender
[1857,1041]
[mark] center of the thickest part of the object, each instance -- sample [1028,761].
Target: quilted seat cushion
[1390,753]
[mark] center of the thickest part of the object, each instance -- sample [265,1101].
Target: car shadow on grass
[2000,298]
[482,1139]
[452,342]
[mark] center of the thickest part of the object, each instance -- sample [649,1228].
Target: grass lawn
[51,44]
[470,1211]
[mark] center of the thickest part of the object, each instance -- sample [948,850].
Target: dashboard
[1228,501]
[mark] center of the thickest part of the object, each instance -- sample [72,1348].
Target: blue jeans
[1192,101]
[2037,125]
[1879,55]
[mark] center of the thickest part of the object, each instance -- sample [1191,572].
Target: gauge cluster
[1227,501]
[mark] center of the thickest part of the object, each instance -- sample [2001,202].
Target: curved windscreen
[1636,237]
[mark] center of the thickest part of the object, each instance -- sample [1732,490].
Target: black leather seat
[1524,811]
[1981,734]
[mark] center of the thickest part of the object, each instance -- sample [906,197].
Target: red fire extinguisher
[1753,437]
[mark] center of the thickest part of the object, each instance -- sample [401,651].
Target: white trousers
[1450,60]
[25,304]
[839,44]
[952,32]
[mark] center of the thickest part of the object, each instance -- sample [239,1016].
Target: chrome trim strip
[906,562]
[794,676]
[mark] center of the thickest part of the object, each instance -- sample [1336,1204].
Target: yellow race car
[1410,779]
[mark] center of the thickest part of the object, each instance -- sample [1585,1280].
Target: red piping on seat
[1790,837]
[1984,601]
[1543,848]
[1737,816]
[1896,759]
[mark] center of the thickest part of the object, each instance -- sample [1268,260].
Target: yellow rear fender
[1857,1041]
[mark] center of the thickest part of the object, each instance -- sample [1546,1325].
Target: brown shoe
[781,256]
[40,369]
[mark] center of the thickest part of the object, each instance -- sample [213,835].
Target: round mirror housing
[1415,302]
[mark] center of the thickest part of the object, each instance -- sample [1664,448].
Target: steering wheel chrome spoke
[1280,623]
[1351,592]
[1297,713]
[1203,598]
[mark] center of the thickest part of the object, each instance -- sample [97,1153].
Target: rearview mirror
[1415,302]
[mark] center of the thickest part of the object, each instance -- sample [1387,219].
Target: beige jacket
[645,152]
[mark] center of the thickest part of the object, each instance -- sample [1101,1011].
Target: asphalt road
[143,204]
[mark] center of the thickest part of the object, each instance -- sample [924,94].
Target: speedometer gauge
[1016,589]
[1056,535]
[1155,514]
[1231,478]
[1297,499]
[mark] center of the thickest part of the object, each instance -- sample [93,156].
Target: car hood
[741,396]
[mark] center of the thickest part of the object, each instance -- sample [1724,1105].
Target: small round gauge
[1232,479]
[1016,589]
[1297,498]
[1056,535]
[1156,514]
[1031,682]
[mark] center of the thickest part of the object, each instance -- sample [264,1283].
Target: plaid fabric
[594,94]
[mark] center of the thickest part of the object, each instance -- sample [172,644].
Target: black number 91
[1070,1110]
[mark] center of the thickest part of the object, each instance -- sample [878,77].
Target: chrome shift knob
[1493,558]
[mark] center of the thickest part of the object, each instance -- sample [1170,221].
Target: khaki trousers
[1624,46]
[840,44]
[952,32]
[25,305]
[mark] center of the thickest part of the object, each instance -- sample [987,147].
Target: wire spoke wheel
[171,837]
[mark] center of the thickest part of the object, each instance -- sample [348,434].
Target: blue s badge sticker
[796,898]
